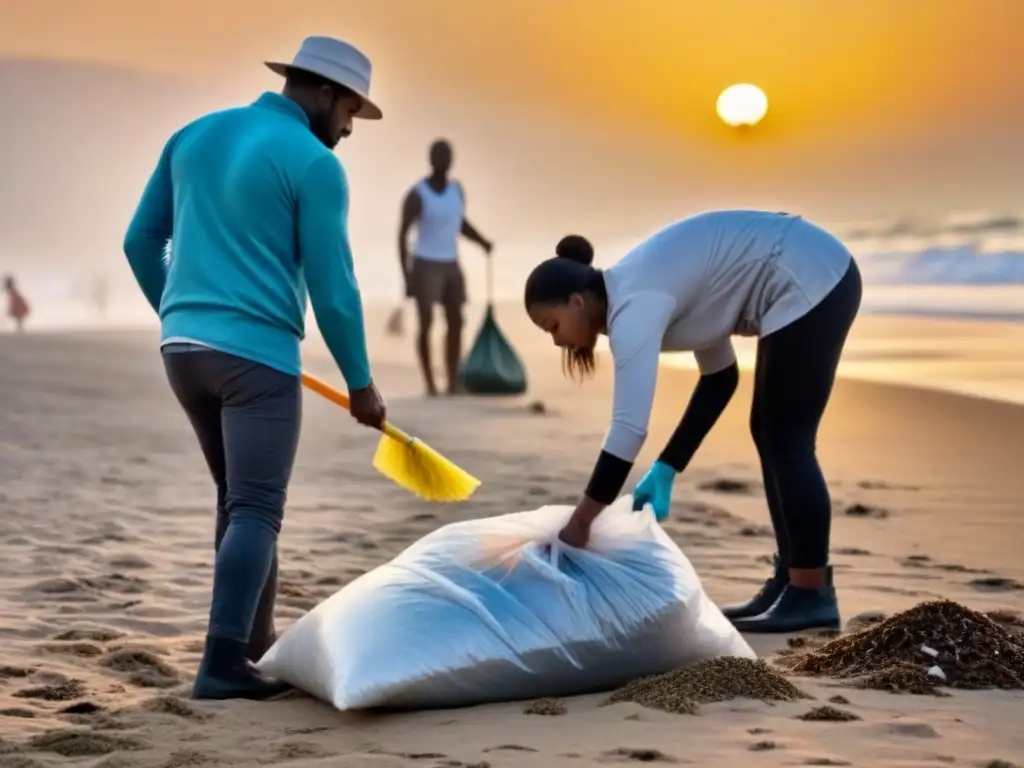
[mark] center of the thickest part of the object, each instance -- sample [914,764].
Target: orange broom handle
[337,397]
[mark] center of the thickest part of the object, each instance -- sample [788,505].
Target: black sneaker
[764,599]
[225,673]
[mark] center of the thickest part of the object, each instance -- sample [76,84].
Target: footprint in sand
[828,714]
[110,533]
[57,586]
[117,583]
[642,755]
[308,730]
[866,511]
[924,561]
[698,513]
[129,562]
[17,712]
[913,729]
[80,649]
[410,755]
[509,748]
[81,708]
[187,758]
[852,552]
[62,690]
[996,584]
[8,672]
[68,742]
[171,705]
[329,581]
[730,485]
[879,485]
[423,517]
[957,568]
[296,750]
[144,668]
[762,746]
[93,634]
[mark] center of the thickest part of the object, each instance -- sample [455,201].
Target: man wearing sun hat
[254,204]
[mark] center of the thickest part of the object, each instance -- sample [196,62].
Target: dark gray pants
[247,418]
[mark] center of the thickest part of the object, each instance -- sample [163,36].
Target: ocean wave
[944,265]
[973,248]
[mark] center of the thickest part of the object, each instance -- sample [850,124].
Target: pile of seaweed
[934,644]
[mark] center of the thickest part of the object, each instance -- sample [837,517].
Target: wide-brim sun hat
[337,61]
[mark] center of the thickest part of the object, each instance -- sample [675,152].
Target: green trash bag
[492,366]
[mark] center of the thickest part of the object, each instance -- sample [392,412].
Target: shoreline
[935,370]
[971,357]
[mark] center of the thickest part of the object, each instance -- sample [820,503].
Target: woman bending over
[691,286]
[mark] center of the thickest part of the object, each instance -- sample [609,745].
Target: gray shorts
[438,282]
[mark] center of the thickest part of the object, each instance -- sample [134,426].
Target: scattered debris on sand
[828,715]
[550,707]
[728,677]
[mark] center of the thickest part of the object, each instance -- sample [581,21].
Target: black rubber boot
[225,673]
[797,610]
[764,599]
[263,634]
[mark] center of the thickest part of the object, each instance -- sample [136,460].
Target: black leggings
[796,369]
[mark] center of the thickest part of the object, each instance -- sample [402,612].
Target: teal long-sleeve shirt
[244,216]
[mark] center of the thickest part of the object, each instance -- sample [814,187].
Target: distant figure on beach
[691,286]
[17,305]
[437,206]
[255,205]
[99,294]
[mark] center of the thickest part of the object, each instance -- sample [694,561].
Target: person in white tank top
[436,205]
[691,286]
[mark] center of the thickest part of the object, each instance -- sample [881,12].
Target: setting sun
[742,104]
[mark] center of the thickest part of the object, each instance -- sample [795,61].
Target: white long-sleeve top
[694,284]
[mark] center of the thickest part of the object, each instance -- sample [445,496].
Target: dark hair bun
[575,248]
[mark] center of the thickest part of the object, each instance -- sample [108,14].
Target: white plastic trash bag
[498,610]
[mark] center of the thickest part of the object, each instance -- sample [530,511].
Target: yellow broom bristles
[423,471]
[405,460]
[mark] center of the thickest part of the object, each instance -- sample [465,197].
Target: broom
[405,460]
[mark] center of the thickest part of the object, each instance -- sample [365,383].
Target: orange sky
[565,111]
[842,65]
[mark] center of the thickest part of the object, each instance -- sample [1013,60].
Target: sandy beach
[106,526]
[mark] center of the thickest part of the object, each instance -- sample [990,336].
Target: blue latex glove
[655,488]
